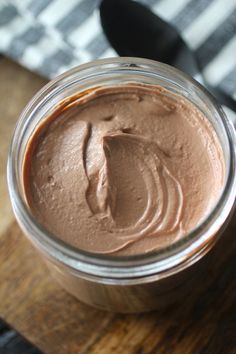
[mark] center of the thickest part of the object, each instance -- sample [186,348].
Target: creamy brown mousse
[123,170]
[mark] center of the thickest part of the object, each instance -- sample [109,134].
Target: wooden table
[58,324]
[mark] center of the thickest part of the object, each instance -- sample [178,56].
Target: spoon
[134,30]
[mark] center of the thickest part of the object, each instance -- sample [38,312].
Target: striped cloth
[51,36]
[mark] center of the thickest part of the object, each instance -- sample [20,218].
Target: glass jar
[125,283]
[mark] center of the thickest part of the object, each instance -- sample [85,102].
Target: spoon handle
[222,98]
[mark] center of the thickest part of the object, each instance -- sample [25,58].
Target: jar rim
[139,265]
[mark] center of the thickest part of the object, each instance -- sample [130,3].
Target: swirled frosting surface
[123,170]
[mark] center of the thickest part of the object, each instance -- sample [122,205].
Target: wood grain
[17,86]
[34,304]
[58,324]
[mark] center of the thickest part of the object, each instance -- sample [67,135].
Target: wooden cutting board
[58,324]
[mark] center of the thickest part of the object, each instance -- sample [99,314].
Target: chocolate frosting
[123,170]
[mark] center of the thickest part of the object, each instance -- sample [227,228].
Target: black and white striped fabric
[11,342]
[51,36]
